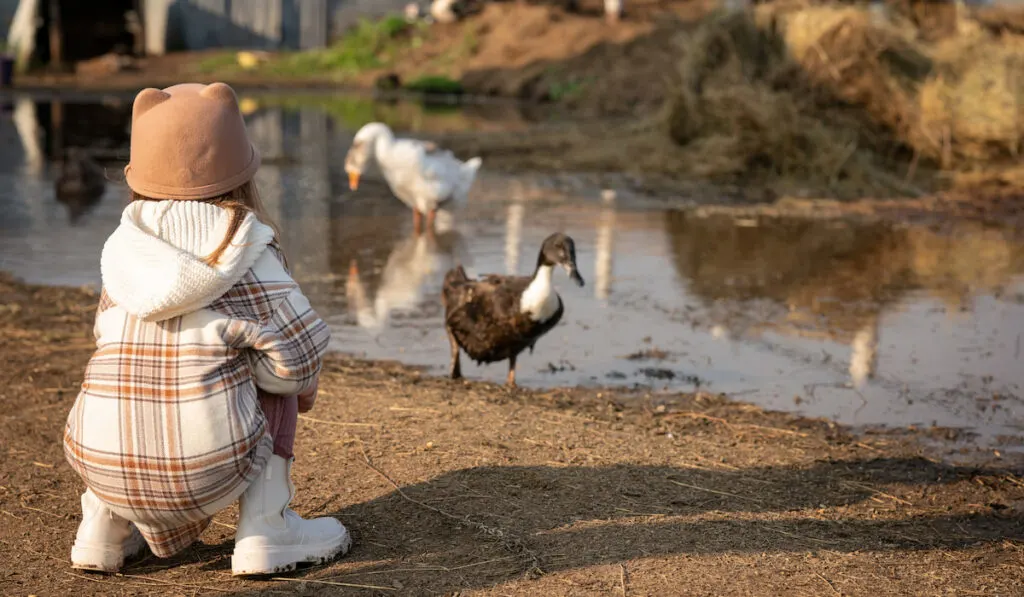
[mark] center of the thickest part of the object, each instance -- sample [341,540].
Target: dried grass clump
[1000,18]
[744,108]
[972,110]
[845,96]
[860,59]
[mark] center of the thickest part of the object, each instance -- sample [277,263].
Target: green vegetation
[566,90]
[352,112]
[348,111]
[226,62]
[369,45]
[436,85]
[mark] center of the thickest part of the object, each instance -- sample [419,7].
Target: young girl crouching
[206,352]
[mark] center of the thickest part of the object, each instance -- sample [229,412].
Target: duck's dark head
[558,249]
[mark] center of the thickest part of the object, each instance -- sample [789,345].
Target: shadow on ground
[500,523]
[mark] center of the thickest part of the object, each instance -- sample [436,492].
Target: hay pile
[972,109]
[958,101]
[843,95]
[856,57]
[745,109]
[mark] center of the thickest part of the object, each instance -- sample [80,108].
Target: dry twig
[432,568]
[511,543]
[694,415]
[830,584]
[84,577]
[338,423]
[877,492]
[332,583]
[41,511]
[725,493]
[146,580]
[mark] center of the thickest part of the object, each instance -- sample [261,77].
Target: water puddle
[863,323]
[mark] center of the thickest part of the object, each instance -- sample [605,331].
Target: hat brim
[157,191]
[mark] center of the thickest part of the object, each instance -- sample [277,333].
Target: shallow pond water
[863,323]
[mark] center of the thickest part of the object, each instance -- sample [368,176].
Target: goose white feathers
[421,174]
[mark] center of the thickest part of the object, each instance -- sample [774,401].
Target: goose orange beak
[353,180]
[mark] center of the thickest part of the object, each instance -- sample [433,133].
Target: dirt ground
[466,488]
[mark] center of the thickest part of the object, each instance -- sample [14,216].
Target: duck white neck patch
[540,300]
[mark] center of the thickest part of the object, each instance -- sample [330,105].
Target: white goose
[421,174]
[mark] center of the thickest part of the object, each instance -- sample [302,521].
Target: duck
[421,174]
[411,268]
[81,183]
[496,317]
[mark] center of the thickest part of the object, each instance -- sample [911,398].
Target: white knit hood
[152,264]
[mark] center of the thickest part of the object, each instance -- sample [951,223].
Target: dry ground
[465,488]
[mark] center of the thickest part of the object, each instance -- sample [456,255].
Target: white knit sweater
[152,264]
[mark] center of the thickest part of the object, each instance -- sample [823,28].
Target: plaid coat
[167,429]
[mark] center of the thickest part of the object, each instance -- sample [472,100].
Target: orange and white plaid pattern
[167,429]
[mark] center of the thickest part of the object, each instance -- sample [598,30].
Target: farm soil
[471,489]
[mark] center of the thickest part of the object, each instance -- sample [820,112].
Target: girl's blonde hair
[240,201]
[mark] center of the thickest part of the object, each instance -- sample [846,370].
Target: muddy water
[867,324]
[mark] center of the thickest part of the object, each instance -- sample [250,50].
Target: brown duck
[81,183]
[497,317]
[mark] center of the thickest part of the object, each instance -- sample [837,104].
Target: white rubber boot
[271,538]
[104,540]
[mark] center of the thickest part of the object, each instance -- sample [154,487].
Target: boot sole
[108,559]
[264,561]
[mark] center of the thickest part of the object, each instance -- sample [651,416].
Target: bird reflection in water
[605,245]
[864,353]
[414,269]
[27,126]
[80,185]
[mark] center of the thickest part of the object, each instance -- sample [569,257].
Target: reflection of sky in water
[783,314]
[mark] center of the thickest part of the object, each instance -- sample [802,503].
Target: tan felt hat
[189,142]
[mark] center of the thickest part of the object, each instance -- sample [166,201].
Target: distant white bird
[424,176]
[412,12]
[443,11]
[613,9]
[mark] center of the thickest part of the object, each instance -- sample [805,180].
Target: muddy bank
[787,99]
[559,492]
